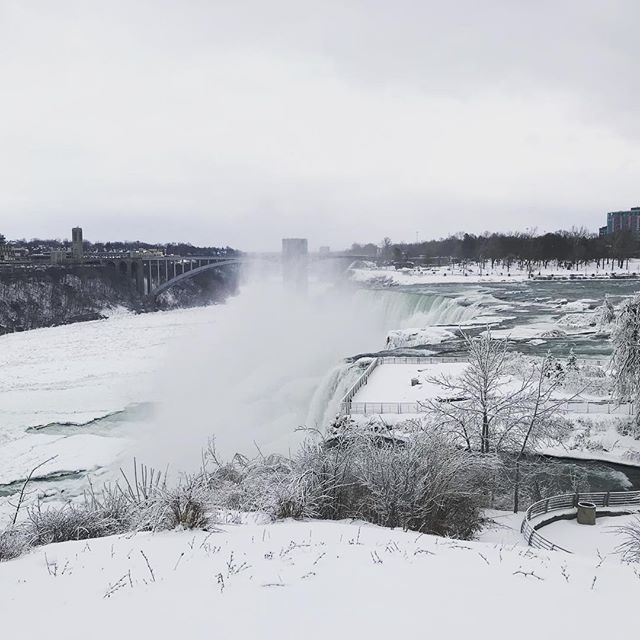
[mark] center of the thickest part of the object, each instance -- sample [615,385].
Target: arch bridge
[152,275]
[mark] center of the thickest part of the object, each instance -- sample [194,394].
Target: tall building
[295,257]
[76,243]
[624,221]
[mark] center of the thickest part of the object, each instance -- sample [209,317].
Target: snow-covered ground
[602,538]
[392,382]
[597,437]
[473,274]
[313,580]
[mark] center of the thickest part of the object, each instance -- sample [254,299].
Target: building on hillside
[11,253]
[59,256]
[623,221]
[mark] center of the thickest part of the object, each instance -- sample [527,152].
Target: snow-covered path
[311,580]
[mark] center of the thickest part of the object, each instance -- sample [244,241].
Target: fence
[347,406]
[570,501]
[420,359]
[572,406]
[362,380]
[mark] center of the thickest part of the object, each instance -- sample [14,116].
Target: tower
[76,243]
[295,258]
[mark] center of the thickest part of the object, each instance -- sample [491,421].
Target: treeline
[37,245]
[569,248]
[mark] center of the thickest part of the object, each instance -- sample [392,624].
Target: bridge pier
[295,264]
[137,273]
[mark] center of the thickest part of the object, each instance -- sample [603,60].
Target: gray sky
[244,121]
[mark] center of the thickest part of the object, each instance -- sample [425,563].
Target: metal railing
[347,406]
[571,406]
[566,501]
[421,359]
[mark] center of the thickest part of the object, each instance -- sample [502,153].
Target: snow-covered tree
[605,314]
[625,359]
[501,404]
[499,401]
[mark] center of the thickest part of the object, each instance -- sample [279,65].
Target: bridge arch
[191,273]
[186,270]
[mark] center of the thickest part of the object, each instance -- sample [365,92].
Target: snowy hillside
[311,580]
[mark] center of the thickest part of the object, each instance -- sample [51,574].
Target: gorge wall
[52,295]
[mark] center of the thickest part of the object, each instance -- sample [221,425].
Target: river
[249,372]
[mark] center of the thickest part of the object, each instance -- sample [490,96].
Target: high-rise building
[624,221]
[77,250]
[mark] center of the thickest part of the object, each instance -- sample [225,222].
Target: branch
[24,488]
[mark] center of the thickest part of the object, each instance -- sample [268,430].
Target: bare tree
[492,408]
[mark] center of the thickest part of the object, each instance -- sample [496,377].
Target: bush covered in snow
[422,483]
[12,544]
[629,427]
[140,503]
[69,522]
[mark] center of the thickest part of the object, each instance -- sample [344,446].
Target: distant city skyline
[239,123]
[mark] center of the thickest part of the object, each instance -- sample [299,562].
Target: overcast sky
[241,122]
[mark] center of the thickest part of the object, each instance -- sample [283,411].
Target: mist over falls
[270,363]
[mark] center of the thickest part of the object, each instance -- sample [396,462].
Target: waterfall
[403,310]
[387,311]
[325,402]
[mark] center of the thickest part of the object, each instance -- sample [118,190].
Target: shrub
[422,482]
[12,544]
[186,504]
[629,428]
[70,522]
[629,549]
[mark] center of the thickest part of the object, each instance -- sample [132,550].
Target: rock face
[49,295]
[209,287]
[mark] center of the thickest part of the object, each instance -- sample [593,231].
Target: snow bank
[456,274]
[416,337]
